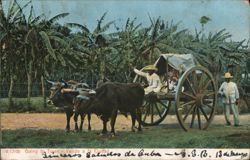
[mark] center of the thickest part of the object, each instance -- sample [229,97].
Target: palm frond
[2,35]
[37,19]
[21,13]
[127,23]
[14,13]
[31,14]
[155,29]
[136,27]
[99,22]
[106,27]
[57,17]
[60,40]
[47,43]
[61,59]
[28,35]
[151,20]
[77,25]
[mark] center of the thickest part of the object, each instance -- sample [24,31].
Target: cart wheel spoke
[206,85]
[193,117]
[191,86]
[204,113]
[208,106]
[162,104]
[146,114]
[188,95]
[158,110]
[199,118]
[209,94]
[155,112]
[152,113]
[188,103]
[194,75]
[202,80]
[188,112]
[208,101]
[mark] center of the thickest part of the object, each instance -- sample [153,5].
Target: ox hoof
[133,129]
[112,135]
[76,131]
[67,129]
[103,133]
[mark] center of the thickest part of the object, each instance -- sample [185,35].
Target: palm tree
[95,46]
[102,48]
[126,42]
[51,46]
[215,52]
[159,39]
[1,44]
[10,37]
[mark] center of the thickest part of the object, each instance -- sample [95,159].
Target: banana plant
[10,38]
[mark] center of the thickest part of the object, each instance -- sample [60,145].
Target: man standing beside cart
[230,98]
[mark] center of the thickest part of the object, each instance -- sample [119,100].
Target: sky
[234,15]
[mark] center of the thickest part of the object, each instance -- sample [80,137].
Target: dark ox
[111,97]
[66,99]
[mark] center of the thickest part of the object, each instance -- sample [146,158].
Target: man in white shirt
[229,91]
[154,82]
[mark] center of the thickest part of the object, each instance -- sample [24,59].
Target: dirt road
[58,121]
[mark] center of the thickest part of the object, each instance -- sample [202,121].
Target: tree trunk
[43,92]
[1,11]
[217,79]
[151,55]
[11,90]
[29,75]
[102,66]
[0,67]
[102,70]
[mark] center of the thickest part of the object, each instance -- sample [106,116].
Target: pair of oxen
[105,101]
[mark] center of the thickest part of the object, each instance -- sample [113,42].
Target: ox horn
[65,84]
[51,82]
[84,84]
[81,97]
[92,92]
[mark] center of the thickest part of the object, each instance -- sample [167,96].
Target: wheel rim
[195,106]
[155,112]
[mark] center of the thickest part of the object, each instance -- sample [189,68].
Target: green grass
[162,136]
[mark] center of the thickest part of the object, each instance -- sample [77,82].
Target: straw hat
[150,68]
[228,75]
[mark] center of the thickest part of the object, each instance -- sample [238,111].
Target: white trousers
[235,111]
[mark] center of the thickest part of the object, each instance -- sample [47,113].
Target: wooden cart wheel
[196,98]
[155,110]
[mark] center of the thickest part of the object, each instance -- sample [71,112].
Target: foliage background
[34,48]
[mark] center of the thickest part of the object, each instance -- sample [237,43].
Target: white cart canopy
[180,62]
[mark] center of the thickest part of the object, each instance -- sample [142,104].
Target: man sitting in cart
[153,79]
[173,80]
[170,85]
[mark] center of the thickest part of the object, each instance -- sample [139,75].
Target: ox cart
[194,96]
